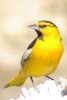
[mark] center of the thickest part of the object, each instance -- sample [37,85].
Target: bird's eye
[42,26]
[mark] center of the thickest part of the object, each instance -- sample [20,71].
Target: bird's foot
[49,77]
[35,88]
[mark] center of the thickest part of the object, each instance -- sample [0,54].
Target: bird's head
[45,28]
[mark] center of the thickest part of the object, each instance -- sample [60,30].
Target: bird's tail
[18,80]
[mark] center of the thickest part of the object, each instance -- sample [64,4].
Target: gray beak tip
[28,26]
[34,26]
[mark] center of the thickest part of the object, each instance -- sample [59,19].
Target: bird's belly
[43,68]
[44,61]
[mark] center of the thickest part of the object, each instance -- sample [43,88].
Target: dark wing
[32,44]
[27,52]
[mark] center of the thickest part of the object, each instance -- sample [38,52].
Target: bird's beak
[34,26]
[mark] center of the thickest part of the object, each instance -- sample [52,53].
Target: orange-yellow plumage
[45,55]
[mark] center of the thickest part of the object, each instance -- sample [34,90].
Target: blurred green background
[15,36]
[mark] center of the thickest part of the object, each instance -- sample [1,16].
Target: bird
[42,55]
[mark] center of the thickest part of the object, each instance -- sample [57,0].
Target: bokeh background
[15,36]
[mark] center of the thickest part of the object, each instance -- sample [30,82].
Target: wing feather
[27,53]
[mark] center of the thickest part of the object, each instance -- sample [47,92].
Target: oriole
[42,55]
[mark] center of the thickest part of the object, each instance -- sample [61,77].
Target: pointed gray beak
[34,26]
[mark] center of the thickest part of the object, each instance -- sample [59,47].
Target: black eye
[42,26]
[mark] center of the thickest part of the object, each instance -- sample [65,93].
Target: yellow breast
[44,58]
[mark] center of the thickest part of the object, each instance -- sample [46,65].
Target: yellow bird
[42,56]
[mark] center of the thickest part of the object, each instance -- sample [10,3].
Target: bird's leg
[49,77]
[57,82]
[34,84]
[31,79]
